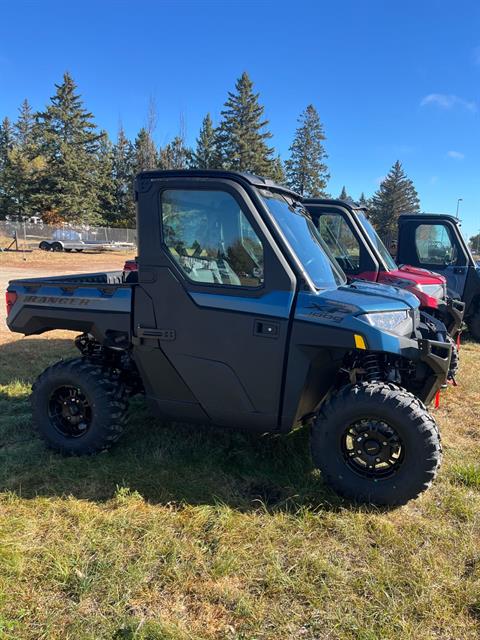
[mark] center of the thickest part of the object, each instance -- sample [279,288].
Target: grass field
[183,532]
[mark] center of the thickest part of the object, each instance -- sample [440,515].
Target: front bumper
[451,313]
[432,360]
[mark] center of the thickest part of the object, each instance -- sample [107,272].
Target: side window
[210,239]
[341,241]
[434,245]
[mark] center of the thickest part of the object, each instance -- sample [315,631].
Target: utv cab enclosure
[435,241]
[361,253]
[239,316]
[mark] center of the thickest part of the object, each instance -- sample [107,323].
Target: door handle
[266,329]
[459,270]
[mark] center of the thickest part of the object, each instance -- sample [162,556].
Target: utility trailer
[239,316]
[80,245]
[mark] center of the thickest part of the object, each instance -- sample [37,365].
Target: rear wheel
[376,443]
[78,407]
[44,246]
[56,246]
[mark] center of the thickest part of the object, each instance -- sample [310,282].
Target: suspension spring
[373,369]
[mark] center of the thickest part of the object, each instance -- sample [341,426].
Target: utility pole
[458,206]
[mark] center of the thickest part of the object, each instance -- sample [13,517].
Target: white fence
[30,235]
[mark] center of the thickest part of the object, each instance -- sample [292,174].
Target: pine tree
[70,144]
[24,126]
[278,171]
[6,141]
[306,172]
[242,137]
[344,195]
[146,156]
[20,167]
[123,174]
[395,196]
[6,146]
[104,178]
[364,201]
[174,155]
[206,155]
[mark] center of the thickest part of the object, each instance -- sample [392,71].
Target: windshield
[375,238]
[305,241]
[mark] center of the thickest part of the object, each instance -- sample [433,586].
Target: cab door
[221,295]
[345,241]
[433,244]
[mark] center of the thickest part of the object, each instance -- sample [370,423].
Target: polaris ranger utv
[240,317]
[360,252]
[435,241]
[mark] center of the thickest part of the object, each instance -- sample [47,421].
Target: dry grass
[185,532]
[49,260]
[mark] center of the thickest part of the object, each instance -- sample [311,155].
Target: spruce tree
[395,196]
[344,195]
[242,137]
[123,174]
[278,171]
[24,126]
[364,201]
[206,154]
[104,179]
[70,143]
[306,171]
[21,167]
[174,155]
[6,147]
[6,141]
[146,156]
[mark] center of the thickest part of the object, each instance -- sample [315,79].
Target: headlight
[435,290]
[399,322]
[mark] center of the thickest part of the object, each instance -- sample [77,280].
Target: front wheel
[376,443]
[78,407]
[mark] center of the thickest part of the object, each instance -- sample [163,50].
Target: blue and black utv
[239,316]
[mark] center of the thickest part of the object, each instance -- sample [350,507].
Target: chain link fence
[28,235]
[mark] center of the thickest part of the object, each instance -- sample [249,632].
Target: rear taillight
[10,299]
[130,265]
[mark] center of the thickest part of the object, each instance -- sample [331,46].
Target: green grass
[187,532]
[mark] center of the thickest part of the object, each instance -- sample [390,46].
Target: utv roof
[428,216]
[333,201]
[249,178]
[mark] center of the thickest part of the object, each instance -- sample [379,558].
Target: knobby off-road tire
[373,421]
[473,324]
[78,407]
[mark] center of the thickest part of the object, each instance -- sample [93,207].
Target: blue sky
[391,80]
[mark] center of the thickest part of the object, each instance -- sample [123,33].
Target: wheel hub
[69,411]
[372,448]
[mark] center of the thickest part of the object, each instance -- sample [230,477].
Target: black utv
[239,316]
[435,241]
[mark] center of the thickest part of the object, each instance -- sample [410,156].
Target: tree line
[58,165]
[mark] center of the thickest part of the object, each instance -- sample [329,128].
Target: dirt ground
[40,263]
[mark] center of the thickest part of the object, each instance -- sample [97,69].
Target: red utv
[362,255]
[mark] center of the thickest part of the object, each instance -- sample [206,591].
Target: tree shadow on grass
[163,462]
